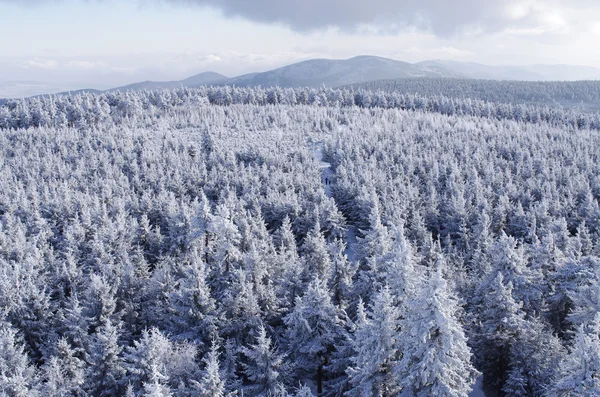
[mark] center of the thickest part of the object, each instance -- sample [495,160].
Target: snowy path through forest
[327,175]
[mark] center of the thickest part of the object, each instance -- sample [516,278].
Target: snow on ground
[478,389]
[327,174]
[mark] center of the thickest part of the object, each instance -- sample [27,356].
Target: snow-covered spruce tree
[400,268]
[579,373]
[375,345]
[585,295]
[73,325]
[313,328]
[105,371]
[157,385]
[211,384]
[436,360]
[192,309]
[374,246]
[574,294]
[264,367]
[223,245]
[533,359]
[63,374]
[316,255]
[18,378]
[154,353]
[99,302]
[291,284]
[498,326]
[511,261]
[341,282]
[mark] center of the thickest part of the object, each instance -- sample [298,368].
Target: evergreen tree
[157,385]
[436,360]
[291,284]
[105,367]
[375,344]
[153,355]
[343,272]
[265,367]
[18,378]
[316,255]
[313,328]
[64,373]
[499,324]
[192,309]
[211,384]
[579,373]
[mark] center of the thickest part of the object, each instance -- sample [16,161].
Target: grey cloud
[443,17]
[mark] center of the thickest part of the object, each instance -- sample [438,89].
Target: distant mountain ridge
[363,69]
[519,73]
[206,78]
[367,68]
[335,73]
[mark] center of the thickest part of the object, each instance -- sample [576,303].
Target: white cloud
[38,63]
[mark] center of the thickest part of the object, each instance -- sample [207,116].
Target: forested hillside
[581,95]
[187,243]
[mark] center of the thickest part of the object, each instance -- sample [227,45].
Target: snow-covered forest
[582,95]
[297,242]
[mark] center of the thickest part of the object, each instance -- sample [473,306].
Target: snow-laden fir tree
[211,384]
[192,309]
[105,367]
[157,385]
[375,344]
[64,373]
[579,373]
[155,354]
[264,367]
[18,378]
[498,326]
[316,255]
[510,259]
[341,282]
[373,249]
[436,360]
[313,328]
[400,269]
[533,359]
[291,284]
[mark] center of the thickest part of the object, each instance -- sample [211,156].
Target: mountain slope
[357,70]
[333,73]
[521,73]
[205,78]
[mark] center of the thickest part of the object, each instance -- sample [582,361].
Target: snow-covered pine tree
[436,360]
[105,367]
[579,373]
[316,254]
[498,326]
[291,284]
[211,384]
[63,374]
[18,378]
[155,354]
[375,346]
[264,367]
[313,328]
[341,281]
[192,309]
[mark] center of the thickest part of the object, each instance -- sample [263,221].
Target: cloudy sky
[103,43]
